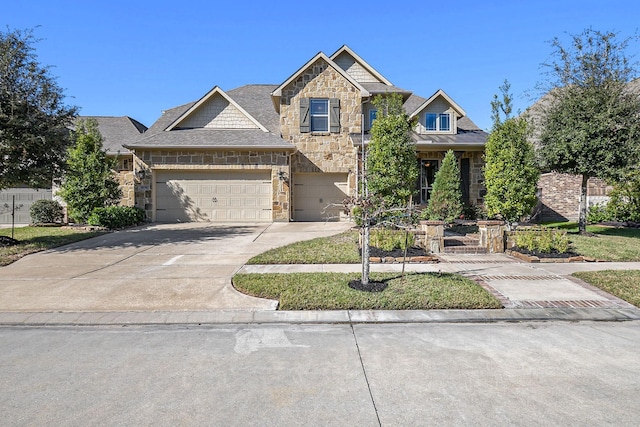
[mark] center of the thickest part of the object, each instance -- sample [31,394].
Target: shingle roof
[376,88]
[213,138]
[255,99]
[118,131]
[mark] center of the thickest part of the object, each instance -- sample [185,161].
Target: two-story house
[286,152]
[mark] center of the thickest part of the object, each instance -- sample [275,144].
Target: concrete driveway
[167,267]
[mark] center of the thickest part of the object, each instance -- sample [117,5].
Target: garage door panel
[314,193]
[213,196]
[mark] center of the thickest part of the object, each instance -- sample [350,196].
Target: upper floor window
[438,122]
[319,111]
[372,117]
[320,115]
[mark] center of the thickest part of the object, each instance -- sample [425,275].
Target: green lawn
[330,291]
[35,239]
[338,249]
[623,284]
[606,243]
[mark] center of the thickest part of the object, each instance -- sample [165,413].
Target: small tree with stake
[389,175]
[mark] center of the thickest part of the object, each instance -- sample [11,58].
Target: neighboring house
[115,131]
[287,152]
[559,194]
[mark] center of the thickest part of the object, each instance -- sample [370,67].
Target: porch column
[492,236]
[433,235]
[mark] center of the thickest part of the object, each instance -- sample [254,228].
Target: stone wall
[275,161]
[126,182]
[321,152]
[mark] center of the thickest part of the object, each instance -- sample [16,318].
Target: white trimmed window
[438,122]
[319,111]
[320,115]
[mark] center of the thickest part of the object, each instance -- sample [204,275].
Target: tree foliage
[89,181]
[34,119]
[445,203]
[592,125]
[392,170]
[510,171]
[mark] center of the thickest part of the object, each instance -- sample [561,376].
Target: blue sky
[137,58]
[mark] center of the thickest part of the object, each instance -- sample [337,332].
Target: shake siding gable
[218,113]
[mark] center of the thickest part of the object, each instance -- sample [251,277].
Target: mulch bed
[397,253]
[554,254]
[370,287]
[7,241]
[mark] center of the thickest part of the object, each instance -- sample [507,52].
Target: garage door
[189,196]
[314,192]
[24,198]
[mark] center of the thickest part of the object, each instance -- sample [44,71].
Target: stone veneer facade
[322,152]
[221,160]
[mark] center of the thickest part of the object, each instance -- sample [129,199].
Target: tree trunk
[365,250]
[582,222]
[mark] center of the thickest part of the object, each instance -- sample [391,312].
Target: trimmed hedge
[46,211]
[116,216]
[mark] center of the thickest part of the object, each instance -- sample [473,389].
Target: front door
[428,169]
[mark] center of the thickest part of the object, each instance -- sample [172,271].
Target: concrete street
[522,374]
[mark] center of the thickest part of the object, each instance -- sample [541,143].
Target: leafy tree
[34,120]
[445,203]
[510,171]
[89,181]
[592,126]
[392,170]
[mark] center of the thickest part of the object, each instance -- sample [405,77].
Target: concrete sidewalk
[515,283]
[529,292]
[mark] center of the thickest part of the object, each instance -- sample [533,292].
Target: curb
[201,318]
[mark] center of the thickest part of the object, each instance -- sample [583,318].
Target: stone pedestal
[433,235]
[492,236]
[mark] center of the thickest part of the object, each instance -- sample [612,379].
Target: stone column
[492,236]
[433,235]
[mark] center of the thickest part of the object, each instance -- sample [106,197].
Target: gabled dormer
[438,115]
[216,110]
[367,76]
[357,67]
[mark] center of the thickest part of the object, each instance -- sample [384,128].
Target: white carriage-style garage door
[203,196]
[24,197]
[314,194]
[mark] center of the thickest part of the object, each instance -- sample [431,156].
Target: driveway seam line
[364,371]
[112,264]
[262,232]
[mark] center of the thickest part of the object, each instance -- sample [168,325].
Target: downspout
[291,186]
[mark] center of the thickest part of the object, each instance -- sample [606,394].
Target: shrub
[46,211]
[542,240]
[388,240]
[598,213]
[445,203]
[116,216]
